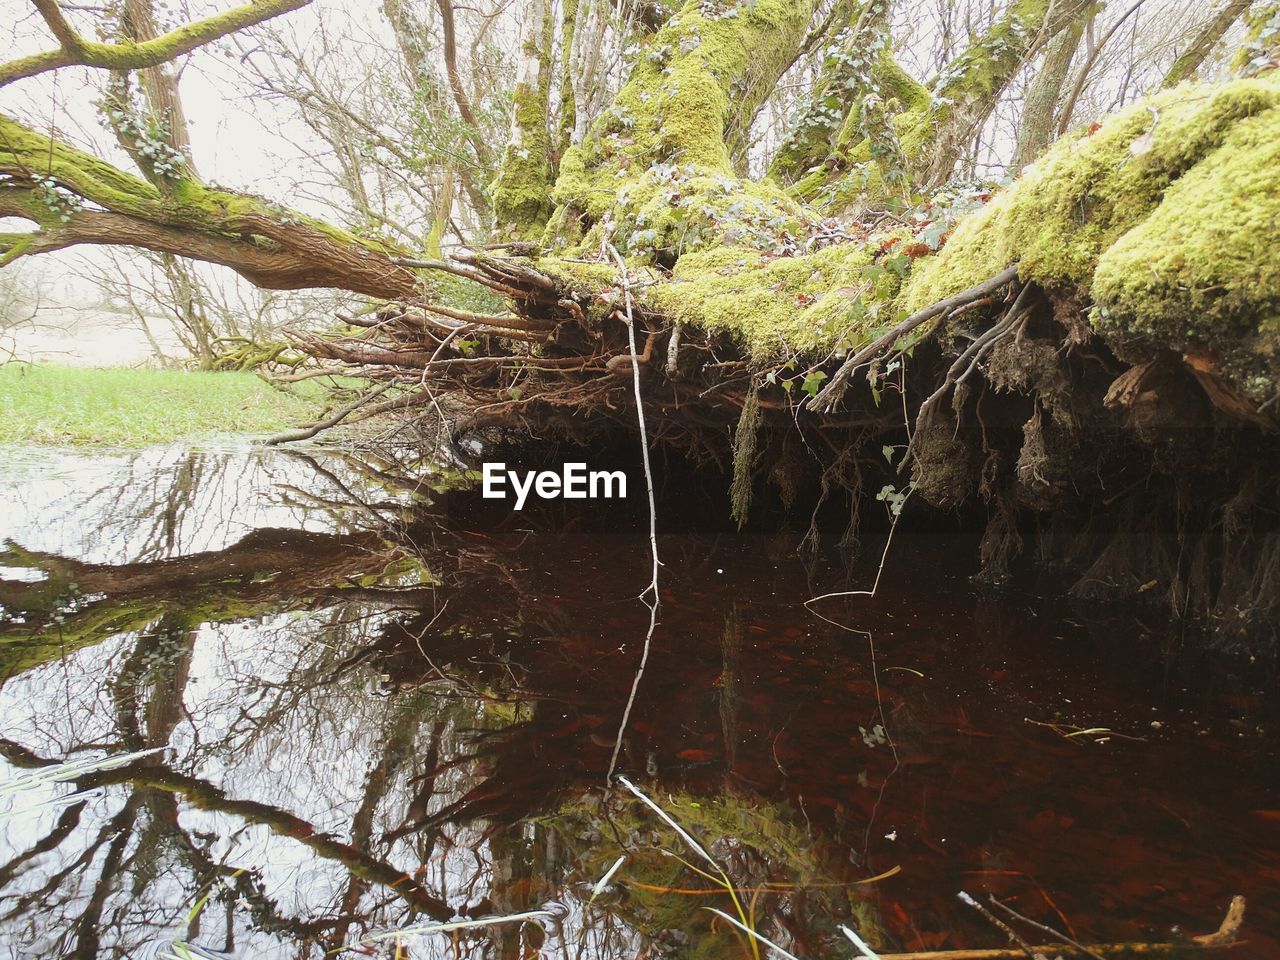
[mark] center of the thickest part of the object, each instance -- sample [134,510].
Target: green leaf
[813,381]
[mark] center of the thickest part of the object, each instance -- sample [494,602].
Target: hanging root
[744,454]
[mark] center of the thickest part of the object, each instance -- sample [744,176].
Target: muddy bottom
[352,705]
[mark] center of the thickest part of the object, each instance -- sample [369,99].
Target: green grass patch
[59,405]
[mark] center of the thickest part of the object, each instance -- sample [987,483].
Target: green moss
[23,150]
[700,79]
[1261,47]
[669,210]
[135,55]
[1201,269]
[522,190]
[913,142]
[859,77]
[773,306]
[1089,190]
[1165,215]
[188,203]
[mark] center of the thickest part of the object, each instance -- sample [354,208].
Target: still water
[373,704]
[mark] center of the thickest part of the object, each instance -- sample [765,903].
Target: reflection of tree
[145,622]
[414,718]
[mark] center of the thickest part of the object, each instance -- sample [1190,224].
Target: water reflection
[379,708]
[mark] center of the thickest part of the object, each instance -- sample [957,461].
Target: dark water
[382,706]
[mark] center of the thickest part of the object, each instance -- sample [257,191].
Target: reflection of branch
[87,924]
[397,746]
[119,825]
[67,822]
[205,796]
[84,603]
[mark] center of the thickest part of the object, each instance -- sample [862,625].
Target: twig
[830,395]
[306,433]
[1044,928]
[652,602]
[1224,937]
[1031,952]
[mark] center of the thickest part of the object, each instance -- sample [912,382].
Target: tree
[1103,315]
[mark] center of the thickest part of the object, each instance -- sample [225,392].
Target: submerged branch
[1226,936]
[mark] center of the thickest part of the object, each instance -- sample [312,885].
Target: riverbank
[50,404]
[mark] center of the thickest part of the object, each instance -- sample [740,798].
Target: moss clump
[1200,270]
[671,209]
[1161,214]
[1089,190]
[522,191]
[826,300]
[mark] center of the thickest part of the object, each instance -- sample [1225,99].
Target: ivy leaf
[813,381]
[515,393]
[888,452]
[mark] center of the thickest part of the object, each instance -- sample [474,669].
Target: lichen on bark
[73,197]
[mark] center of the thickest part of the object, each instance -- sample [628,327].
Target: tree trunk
[1198,50]
[1040,113]
[521,193]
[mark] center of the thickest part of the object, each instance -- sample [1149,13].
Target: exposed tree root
[1024,411]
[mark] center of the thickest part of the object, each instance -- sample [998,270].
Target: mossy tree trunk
[521,194]
[1202,44]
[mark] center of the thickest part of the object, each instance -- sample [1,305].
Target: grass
[121,407]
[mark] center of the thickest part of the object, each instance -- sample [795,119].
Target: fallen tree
[1090,354]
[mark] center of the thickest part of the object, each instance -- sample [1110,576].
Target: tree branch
[76,198]
[829,395]
[75,50]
